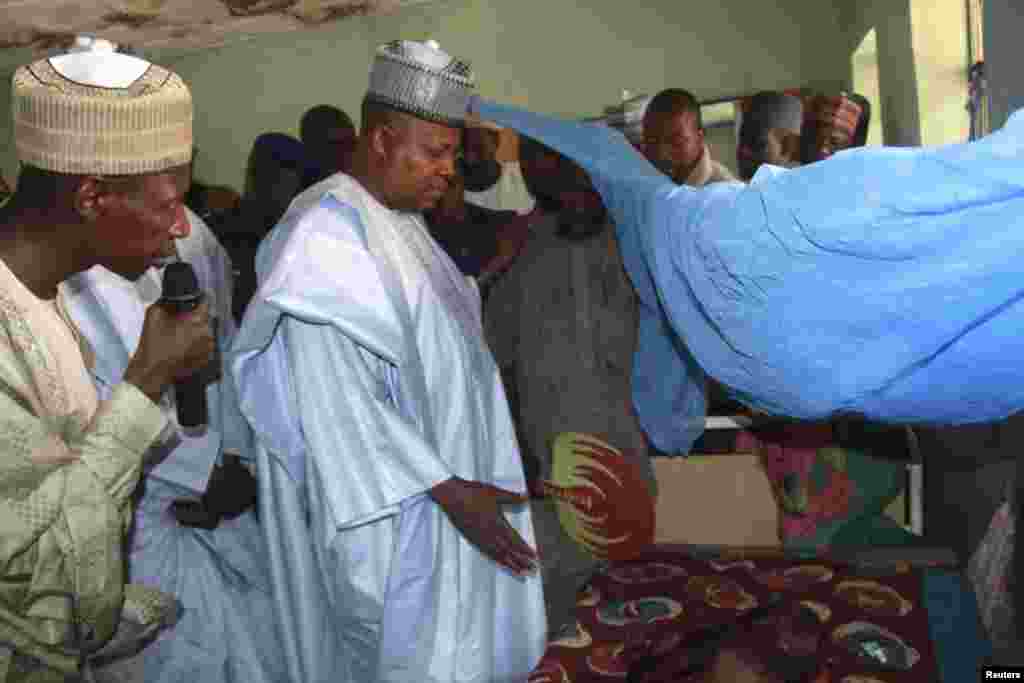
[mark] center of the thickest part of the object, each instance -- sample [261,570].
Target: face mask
[481,175]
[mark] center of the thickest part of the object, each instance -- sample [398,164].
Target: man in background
[276,170]
[769,133]
[562,325]
[542,169]
[482,242]
[673,140]
[830,125]
[209,202]
[492,183]
[860,135]
[329,137]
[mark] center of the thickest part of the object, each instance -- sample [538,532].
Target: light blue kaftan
[220,576]
[362,368]
[882,281]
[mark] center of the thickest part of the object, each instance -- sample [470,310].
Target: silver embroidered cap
[422,80]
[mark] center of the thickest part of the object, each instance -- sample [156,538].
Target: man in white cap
[769,133]
[214,566]
[104,141]
[391,487]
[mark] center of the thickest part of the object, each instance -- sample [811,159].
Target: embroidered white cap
[422,80]
[96,111]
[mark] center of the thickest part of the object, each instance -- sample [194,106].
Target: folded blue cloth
[883,281]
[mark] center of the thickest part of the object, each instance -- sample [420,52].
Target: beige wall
[921,48]
[566,57]
[940,53]
[897,75]
[864,62]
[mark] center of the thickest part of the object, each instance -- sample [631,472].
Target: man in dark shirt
[329,137]
[482,242]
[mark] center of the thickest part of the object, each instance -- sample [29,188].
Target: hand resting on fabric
[475,510]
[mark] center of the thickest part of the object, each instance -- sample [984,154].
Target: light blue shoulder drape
[882,281]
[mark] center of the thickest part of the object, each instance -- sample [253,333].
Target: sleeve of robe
[348,356]
[376,456]
[109,457]
[882,281]
[61,522]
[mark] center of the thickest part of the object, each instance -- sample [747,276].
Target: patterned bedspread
[872,619]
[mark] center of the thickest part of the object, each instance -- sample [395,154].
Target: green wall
[566,57]
[941,62]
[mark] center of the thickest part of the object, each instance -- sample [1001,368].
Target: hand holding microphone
[176,343]
[182,296]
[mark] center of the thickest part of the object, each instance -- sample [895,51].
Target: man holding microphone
[104,141]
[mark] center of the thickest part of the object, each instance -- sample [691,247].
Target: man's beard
[480,176]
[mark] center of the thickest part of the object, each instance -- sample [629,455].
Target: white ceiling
[34,28]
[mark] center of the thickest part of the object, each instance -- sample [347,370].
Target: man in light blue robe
[882,281]
[219,575]
[391,485]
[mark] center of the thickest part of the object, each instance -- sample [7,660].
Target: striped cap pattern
[438,91]
[68,127]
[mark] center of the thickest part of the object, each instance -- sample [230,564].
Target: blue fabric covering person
[882,281]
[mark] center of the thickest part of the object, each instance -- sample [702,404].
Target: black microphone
[181,294]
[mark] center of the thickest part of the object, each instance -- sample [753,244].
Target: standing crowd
[394,325]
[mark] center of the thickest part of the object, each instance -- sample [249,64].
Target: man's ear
[382,140]
[90,198]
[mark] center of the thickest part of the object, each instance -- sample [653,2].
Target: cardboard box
[715,500]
